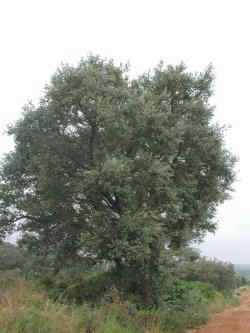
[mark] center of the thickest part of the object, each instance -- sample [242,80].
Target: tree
[117,168]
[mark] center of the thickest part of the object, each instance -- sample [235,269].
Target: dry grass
[26,309]
[23,307]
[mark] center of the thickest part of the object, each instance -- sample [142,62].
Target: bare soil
[234,320]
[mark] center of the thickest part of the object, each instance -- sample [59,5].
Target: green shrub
[218,273]
[186,304]
[87,287]
[181,288]
[10,257]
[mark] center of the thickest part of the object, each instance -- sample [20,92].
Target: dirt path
[236,320]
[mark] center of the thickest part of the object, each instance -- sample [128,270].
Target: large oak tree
[117,168]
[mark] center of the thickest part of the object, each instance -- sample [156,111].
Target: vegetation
[113,169]
[10,257]
[75,300]
[220,274]
[243,271]
[110,181]
[26,308]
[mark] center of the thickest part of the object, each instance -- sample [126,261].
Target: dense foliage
[79,298]
[115,169]
[220,274]
[25,307]
[10,257]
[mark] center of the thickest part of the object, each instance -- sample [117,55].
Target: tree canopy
[117,168]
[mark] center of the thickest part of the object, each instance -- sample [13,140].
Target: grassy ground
[26,308]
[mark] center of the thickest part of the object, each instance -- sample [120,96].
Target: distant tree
[117,168]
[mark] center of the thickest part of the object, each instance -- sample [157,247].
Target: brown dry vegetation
[24,308]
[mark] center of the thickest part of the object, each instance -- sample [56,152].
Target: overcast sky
[36,36]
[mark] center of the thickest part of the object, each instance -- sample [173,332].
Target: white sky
[36,36]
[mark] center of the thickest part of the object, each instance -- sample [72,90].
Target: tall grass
[26,308]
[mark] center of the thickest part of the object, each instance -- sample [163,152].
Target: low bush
[181,288]
[218,273]
[10,257]
[187,304]
[86,287]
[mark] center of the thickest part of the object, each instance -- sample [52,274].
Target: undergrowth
[26,308]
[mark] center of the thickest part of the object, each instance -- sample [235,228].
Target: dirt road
[235,320]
